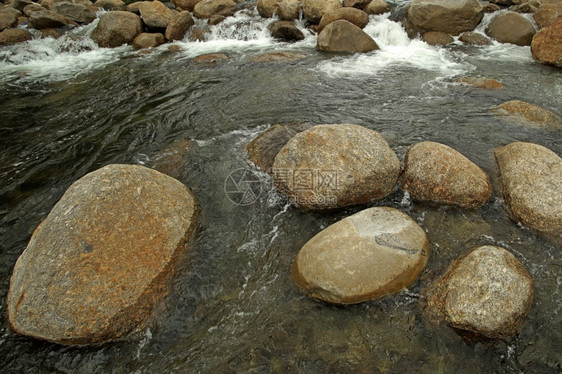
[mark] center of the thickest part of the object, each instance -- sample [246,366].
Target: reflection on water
[233,307]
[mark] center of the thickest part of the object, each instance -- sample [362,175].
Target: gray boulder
[47,19]
[530,180]
[511,27]
[286,30]
[373,253]
[76,12]
[97,266]
[450,16]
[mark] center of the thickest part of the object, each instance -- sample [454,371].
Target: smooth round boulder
[263,149]
[314,10]
[286,31]
[376,7]
[511,27]
[148,40]
[546,45]
[356,16]
[267,8]
[155,15]
[100,262]
[486,292]
[450,16]
[208,8]
[117,28]
[530,178]
[437,38]
[527,114]
[178,26]
[14,36]
[333,166]
[434,172]
[474,38]
[344,37]
[289,9]
[76,12]
[373,253]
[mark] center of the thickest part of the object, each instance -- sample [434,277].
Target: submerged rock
[523,113]
[209,8]
[450,16]
[344,37]
[511,27]
[546,45]
[531,176]
[278,57]
[486,292]
[314,10]
[481,82]
[438,173]
[117,28]
[373,253]
[14,36]
[263,149]
[211,58]
[333,166]
[178,26]
[356,16]
[96,267]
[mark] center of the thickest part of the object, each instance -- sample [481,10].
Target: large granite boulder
[117,28]
[289,9]
[47,19]
[109,4]
[530,177]
[286,31]
[314,10]
[186,4]
[377,7]
[373,253]
[333,166]
[547,13]
[437,173]
[100,262]
[178,26]
[208,8]
[356,16]
[155,15]
[344,37]
[511,27]
[486,292]
[14,36]
[546,45]
[267,8]
[7,20]
[263,149]
[523,113]
[76,12]
[450,16]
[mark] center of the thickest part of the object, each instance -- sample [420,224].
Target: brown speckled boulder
[531,180]
[438,173]
[370,254]
[486,292]
[523,113]
[546,45]
[102,259]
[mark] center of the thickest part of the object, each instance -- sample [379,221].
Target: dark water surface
[233,306]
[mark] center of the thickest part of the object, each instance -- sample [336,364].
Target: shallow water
[69,107]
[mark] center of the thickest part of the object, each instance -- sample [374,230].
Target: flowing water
[68,108]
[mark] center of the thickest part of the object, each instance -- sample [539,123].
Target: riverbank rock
[450,16]
[14,36]
[98,264]
[437,38]
[344,37]
[109,4]
[267,8]
[356,16]
[437,173]
[481,82]
[373,253]
[547,13]
[333,166]
[178,26]
[530,180]
[47,19]
[511,27]
[278,57]
[289,9]
[7,20]
[474,38]
[486,292]
[148,40]
[186,4]
[527,114]
[263,149]
[377,7]
[314,10]
[359,4]
[208,8]
[546,45]
[76,12]
[32,8]
[155,15]
[117,28]
[285,30]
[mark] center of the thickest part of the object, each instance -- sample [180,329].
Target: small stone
[437,38]
[211,58]
[279,57]
[148,40]
[474,38]
[480,82]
